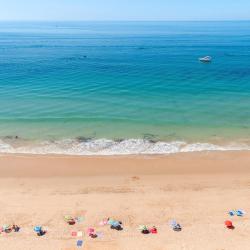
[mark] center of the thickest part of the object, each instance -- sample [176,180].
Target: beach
[121,120]
[195,189]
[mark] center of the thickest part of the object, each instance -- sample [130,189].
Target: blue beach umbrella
[115,223]
[111,221]
[37,229]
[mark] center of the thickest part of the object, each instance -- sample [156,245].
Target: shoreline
[156,155]
[111,147]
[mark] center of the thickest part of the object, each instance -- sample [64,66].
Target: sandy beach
[196,189]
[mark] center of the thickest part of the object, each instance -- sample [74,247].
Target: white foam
[110,147]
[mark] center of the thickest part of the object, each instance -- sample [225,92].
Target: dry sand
[196,189]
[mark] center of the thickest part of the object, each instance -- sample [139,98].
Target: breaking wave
[113,147]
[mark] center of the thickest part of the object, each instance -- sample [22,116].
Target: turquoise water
[90,80]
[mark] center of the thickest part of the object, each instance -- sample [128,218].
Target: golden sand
[196,189]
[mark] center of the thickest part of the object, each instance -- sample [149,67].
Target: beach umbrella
[240,212]
[153,230]
[173,223]
[116,223]
[37,229]
[6,228]
[142,227]
[68,218]
[90,231]
[229,224]
[111,221]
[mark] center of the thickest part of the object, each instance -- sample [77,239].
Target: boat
[205,59]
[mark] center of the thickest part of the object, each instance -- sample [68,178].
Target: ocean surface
[108,88]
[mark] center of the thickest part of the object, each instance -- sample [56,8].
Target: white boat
[206,59]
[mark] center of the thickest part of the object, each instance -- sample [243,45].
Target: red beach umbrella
[229,224]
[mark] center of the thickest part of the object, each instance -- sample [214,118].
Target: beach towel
[74,234]
[79,219]
[103,222]
[99,234]
[79,243]
[79,234]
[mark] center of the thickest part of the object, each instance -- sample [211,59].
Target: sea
[115,88]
